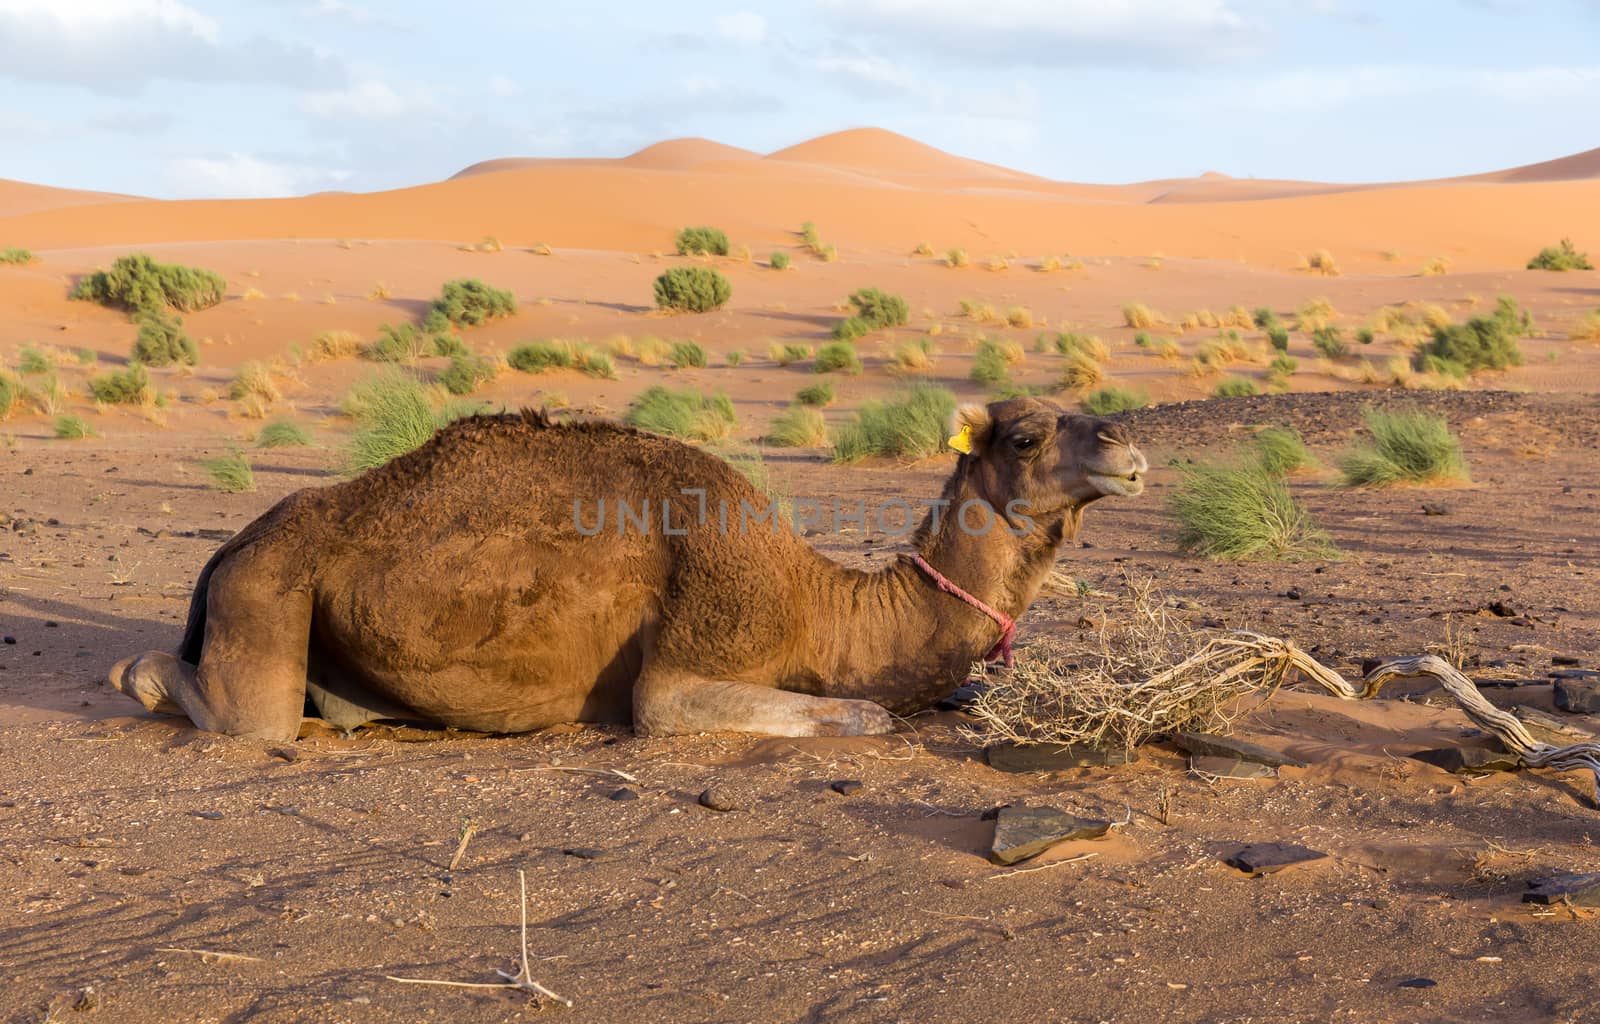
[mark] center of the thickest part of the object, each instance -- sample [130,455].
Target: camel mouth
[1125,485]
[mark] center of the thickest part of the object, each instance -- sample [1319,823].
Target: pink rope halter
[1001,651]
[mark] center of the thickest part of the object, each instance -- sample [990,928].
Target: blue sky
[277,97]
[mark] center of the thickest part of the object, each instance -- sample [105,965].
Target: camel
[472,584]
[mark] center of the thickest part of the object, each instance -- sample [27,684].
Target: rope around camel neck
[1001,651]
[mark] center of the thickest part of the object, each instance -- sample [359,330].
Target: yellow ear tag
[962,442]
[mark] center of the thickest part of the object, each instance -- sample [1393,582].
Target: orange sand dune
[21,197]
[1567,168]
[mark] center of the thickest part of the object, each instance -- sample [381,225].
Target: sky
[188,98]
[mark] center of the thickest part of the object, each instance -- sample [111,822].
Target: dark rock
[583,852]
[1577,890]
[625,794]
[208,815]
[992,813]
[1265,858]
[1502,609]
[1054,757]
[1293,593]
[11,640]
[719,798]
[1580,674]
[286,753]
[1430,509]
[964,695]
[1417,983]
[1565,659]
[1230,768]
[51,624]
[844,787]
[1468,759]
[1225,746]
[1547,728]
[1579,696]
[1023,832]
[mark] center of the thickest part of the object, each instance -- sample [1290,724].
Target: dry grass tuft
[1139,316]
[1435,267]
[1587,329]
[1320,262]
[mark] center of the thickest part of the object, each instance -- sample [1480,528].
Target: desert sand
[134,849]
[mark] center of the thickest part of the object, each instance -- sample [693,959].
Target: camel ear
[970,430]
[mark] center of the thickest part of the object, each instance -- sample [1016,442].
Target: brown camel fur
[457,584]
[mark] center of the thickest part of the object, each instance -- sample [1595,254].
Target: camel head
[1035,452]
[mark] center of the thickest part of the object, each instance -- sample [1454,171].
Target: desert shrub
[1329,341]
[913,356]
[1283,365]
[1435,267]
[283,433]
[778,261]
[1560,257]
[1236,512]
[1143,340]
[1315,313]
[1110,400]
[393,416]
[1080,372]
[254,379]
[652,351]
[1408,446]
[1166,348]
[1482,343]
[449,345]
[139,284]
[31,362]
[466,373]
[702,241]
[230,473]
[692,289]
[10,393]
[1139,316]
[335,345]
[990,366]
[735,357]
[592,362]
[1322,262]
[809,236]
[827,253]
[541,356]
[1278,337]
[1235,387]
[1200,318]
[1513,317]
[878,308]
[72,428]
[787,355]
[162,341]
[798,426]
[1587,328]
[982,312]
[819,394]
[1281,450]
[1019,316]
[1264,318]
[956,257]
[909,425]
[1366,335]
[1238,316]
[1068,344]
[687,355]
[122,387]
[402,344]
[922,249]
[851,328]
[16,255]
[837,357]
[687,415]
[468,302]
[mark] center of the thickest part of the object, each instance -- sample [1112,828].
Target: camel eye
[1022,444]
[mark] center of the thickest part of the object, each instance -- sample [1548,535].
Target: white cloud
[871,73]
[503,85]
[115,45]
[1054,33]
[369,100]
[1328,88]
[743,27]
[243,176]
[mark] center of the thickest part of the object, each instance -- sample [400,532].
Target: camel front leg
[674,703]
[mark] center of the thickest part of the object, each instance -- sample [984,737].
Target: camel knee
[152,679]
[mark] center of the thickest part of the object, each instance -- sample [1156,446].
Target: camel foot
[148,678]
[854,718]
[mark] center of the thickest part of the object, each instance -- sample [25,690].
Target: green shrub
[283,434]
[1561,257]
[1329,340]
[910,425]
[688,415]
[692,289]
[10,393]
[1264,318]
[837,357]
[878,308]
[1366,335]
[819,394]
[1238,512]
[1110,400]
[702,241]
[31,362]
[735,357]
[798,426]
[778,261]
[1235,387]
[593,363]
[851,328]
[466,373]
[393,416]
[541,356]
[468,302]
[230,473]
[449,345]
[1283,365]
[1069,343]
[1482,343]
[139,284]
[1143,340]
[1080,372]
[17,255]
[162,341]
[990,367]
[123,387]
[787,355]
[1281,450]
[72,428]
[1279,337]
[254,379]
[402,344]
[687,355]
[1409,446]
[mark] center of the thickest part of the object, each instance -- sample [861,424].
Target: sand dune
[22,197]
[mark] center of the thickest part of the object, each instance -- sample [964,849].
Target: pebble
[844,787]
[11,640]
[625,794]
[719,798]
[1023,832]
[1417,983]
[1429,509]
[583,852]
[1265,858]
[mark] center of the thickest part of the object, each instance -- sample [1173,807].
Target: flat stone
[963,696]
[1265,858]
[1230,767]
[1579,696]
[1578,890]
[719,798]
[1023,832]
[624,794]
[1226,746]
[1565,659]
[844,787]
[583,852]
[1468,759]
[1054,757]
[1416,983]
[1580,674]
[1547,728]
